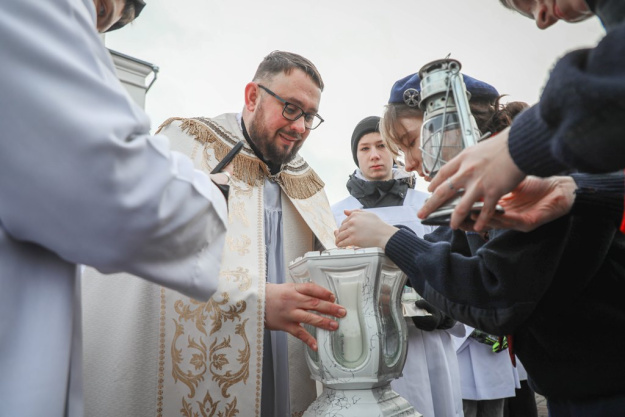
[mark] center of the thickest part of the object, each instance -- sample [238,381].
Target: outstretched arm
[494,290]
[105,192]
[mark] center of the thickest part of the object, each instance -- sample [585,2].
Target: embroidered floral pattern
[240,275]
[225,367]
[240,244]
[237,213]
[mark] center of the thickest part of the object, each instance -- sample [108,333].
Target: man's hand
[289,305]
[223,177]
[485,171]
[534,202]
[363,229]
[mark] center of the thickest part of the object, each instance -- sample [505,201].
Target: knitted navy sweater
[559,290]
[579,120]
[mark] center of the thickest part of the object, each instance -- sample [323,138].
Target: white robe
[430,380]
[81,181]
[484,374]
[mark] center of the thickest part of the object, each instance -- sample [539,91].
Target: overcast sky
[207,50]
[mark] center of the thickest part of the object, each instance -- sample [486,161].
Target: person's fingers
[509,196]
[307,317]
[328,308]
[337,240]
[315,292]
[486,213]
[462,210]
[345,235]
[443,187]
[300,332]
[495,222]
[322,307]
[342,238]
[448,170]
[438,198]
[468,223]
[319,299]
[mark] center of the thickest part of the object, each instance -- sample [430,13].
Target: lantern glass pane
[441,140]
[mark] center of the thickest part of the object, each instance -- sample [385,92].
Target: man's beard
[272,152]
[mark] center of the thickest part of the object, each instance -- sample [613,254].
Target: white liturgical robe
[82,181]
[158,353]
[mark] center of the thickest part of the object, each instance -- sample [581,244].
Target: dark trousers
[523,404]
[601,407]
[483,408]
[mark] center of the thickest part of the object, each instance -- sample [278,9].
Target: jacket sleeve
[578,122]
[79,172]
[498,288]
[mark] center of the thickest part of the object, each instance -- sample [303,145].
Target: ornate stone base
[376,402]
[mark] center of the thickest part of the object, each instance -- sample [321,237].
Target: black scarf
[373,194]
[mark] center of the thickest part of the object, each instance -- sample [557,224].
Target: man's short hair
[284,62]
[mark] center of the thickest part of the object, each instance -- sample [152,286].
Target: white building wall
[136,75]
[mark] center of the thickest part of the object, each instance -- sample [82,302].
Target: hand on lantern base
[534,202]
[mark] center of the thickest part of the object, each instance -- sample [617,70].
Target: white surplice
[484,374]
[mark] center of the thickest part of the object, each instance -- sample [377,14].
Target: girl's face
[409,134]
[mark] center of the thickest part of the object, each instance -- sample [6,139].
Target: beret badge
[412,97]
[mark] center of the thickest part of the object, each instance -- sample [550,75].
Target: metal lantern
[448,125]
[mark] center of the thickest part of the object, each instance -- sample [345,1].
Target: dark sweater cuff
[403,246]
[529,144]
[599,195]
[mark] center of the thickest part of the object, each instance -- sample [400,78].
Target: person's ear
[252,96]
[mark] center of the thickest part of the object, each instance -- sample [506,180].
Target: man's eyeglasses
[293,112]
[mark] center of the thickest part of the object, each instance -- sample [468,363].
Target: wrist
[516,172]
[386,236]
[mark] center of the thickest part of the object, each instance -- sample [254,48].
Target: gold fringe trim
[301,186]
[166,123]
[246,168]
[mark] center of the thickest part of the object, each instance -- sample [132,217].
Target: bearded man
[226,356]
